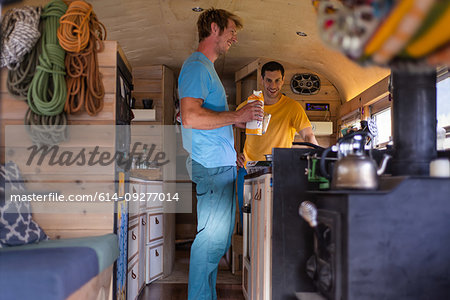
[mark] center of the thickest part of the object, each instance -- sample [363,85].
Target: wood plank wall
[68,220]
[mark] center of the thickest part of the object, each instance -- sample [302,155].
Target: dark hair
[218,16]
[272,66]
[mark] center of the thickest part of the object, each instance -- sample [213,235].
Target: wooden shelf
[144,115]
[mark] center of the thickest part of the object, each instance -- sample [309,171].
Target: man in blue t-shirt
[208,137]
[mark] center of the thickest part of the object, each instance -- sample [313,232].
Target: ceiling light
[301,33]
[197,9]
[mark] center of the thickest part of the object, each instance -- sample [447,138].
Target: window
[383,121]
[443,108]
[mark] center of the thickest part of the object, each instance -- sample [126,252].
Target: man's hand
[240,160]
[249,112]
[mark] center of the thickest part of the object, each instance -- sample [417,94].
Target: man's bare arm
[308,135]
[195,116]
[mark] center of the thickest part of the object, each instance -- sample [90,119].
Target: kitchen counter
[146,174]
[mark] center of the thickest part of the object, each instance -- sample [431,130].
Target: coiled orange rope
[81,35]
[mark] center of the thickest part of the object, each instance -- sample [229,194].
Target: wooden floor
[174,287]
[178,291]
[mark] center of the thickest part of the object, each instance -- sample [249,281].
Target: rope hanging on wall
[81,35]
[19,80]
[47,93]
[46,130]
[20,32]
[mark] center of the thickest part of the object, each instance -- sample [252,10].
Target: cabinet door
[155,226]
[132,283]
[155,255]
[142,254]
[260,239]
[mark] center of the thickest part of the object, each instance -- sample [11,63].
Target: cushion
[16,225]
[45,274]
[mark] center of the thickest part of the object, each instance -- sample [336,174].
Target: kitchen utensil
[354,169]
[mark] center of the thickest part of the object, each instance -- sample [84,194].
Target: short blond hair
[218,16]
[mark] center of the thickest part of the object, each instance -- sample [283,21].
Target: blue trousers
[215,223]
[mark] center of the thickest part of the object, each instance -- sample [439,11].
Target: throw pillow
[16,225]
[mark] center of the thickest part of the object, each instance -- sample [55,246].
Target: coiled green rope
[47,93]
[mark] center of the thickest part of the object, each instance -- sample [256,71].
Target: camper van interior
[96,198]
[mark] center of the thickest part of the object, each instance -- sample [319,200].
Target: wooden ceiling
[164,32]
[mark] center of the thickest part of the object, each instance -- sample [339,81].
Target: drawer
[155,226]
[133,280]
[133,237]
[155,192]
[155,256]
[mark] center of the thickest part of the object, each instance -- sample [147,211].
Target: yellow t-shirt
[288,117]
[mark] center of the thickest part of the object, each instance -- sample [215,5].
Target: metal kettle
[354,169]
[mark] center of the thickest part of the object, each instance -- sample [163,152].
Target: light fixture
[197,9]
[301,33]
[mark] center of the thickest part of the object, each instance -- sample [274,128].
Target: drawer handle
[258,195]
[156,253]
[133,275]
[143,222]
[156,220]
[133,236]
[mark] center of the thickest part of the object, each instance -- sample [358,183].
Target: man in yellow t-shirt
[288,117]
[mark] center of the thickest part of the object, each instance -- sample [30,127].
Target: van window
[443,102]
[443,108]
[383,121]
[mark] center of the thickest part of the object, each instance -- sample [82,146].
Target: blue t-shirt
[215,147]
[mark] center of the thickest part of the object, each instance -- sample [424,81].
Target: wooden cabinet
[157,247]
[257,231]
[151,233]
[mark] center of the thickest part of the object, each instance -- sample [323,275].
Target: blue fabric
[105,247]
[215,147]
[16,224]
[47,274]
[240,191]
[215,216]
